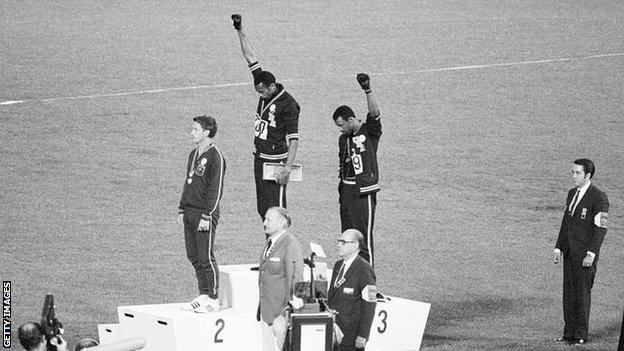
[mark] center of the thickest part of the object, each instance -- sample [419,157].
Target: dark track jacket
[358,156]
[204,191]
[276,122]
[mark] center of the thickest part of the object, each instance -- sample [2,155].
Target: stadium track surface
[473,164]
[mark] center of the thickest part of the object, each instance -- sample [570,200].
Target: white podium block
[399,325]
[109,333]
[131,344]
[169,328]
[238,287]
[321,272]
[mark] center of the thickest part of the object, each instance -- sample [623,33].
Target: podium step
[399,324]
[109,333]
[167,327]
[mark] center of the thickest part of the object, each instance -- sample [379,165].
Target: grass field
[484,103]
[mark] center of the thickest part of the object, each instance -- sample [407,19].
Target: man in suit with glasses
[352,292]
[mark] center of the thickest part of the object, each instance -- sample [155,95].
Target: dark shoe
[577,342]
[563,339]
[381,297]
[257,268]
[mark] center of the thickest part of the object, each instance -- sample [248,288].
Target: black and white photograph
[312,175]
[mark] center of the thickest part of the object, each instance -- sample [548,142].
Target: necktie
[268,247]
[340,276]
[574,202]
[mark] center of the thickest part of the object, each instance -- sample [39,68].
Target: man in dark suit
[583,228]
[621,344]
[281,265]
[352,292]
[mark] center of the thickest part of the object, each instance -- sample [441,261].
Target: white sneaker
[211,305]
[196,303]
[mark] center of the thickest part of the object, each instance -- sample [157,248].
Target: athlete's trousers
[268,192]
[358,212]
[199,246]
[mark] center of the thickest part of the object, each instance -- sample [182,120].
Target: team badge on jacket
[201,168]
[272,115]
[359,141]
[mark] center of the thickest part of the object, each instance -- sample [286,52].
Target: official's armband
[601,219]
[369,293]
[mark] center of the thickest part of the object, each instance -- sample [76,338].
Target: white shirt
[582,191]
[347,263]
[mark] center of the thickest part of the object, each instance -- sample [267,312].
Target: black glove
[364,81]
[237,21]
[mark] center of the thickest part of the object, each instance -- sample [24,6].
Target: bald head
[276,220]
[355,235]
[85,343]
[349,243]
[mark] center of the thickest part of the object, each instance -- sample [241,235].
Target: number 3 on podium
[384,315]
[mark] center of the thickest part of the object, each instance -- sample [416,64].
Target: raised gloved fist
[237,21]
[364,81]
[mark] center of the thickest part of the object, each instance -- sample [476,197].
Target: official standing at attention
[352,292]
[199,211]
[583,228]
[358,172]
[281,265]
[621,344]
[276,129]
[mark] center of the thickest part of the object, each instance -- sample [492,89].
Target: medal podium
[399,324]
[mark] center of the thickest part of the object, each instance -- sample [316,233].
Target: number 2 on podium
[221,324]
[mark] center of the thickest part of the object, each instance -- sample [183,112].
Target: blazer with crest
[355,315]
[278,272]
[585,229]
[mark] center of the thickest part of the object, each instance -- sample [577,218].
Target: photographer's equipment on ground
[51,326]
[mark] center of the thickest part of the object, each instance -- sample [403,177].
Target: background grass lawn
[475,161]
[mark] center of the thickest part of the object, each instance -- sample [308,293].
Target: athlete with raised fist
[276,128]
[358,172]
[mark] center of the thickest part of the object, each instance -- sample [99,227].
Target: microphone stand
[310,263]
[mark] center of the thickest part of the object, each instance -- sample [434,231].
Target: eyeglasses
[343,242]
